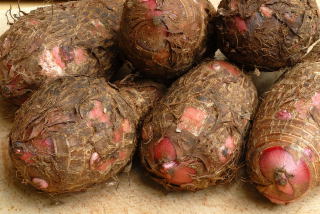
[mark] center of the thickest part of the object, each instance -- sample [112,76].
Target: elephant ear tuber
[65,39]
[283,150]
[267,34]
[164,38]
[194,137]
[78,131]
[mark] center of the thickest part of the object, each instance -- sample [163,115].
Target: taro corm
[164,38]
[193,138]
[267,34]
[66,39]
[283,150]
[78,131]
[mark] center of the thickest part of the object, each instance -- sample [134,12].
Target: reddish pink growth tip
[150,3]
[164,150]
[123,129]
[152,6]
[234,4]
[227,66]
[95,157]
[24,156]
[45,146]
[266,11]
[101,165]
[99,113]
[290,17]
[123,155]
[33,22]
[290,177]
[192,120]
[308,153]
[182,175]
[177,173]
[80,56]
[226,150]
[57,57]
[240,24]
[283,115]
[316,100]
[40,183]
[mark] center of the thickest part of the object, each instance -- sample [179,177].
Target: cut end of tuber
[288,175]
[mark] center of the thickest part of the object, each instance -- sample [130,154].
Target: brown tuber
[66,39]
[267,34]
[194,137]
[283,150]
[78,131]
[164,38]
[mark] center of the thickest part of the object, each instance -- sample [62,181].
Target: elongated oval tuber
[65,39]
[284,144]
[194,137]
[164,38]
[78,131]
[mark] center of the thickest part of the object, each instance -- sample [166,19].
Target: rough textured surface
[283,151]
[76,132]
[67,39]
[164,38]
[194,137]
[265,33]
[314,54]
[136,195]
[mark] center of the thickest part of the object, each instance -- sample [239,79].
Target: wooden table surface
[134,194]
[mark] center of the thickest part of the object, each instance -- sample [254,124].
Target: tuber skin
[314,53]
[267,34]
[66,39]
[164,38]
[283,148]
[78,131]
[193,138]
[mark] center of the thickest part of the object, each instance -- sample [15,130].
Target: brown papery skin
[163,39]
[194,137]
[314,54]
[267,34]
[283,150]
[65,39]
[78,131]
